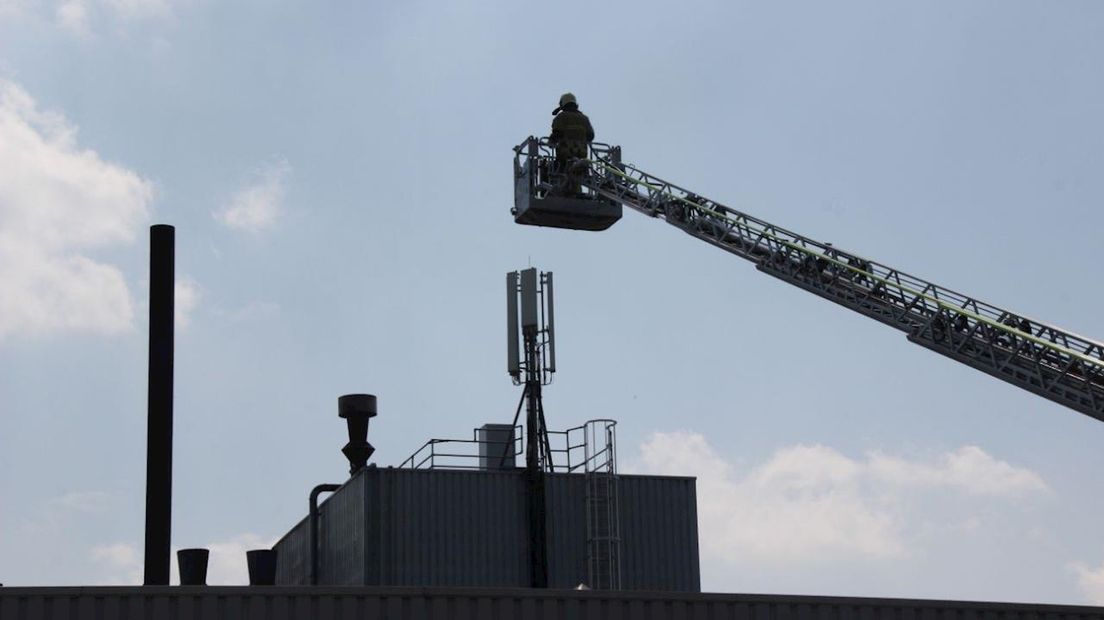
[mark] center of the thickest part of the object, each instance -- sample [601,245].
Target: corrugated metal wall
[659,540]
[469,528]
[659,533]
[340,542]
[567,565]
[326,603]
[292,559]
[448,527]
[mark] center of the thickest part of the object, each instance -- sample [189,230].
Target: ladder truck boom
[1051,362]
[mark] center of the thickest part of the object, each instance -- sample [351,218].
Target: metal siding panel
[659,547]
[216,603]
[456,527]
[567,566]
[341,531]
[927,613]
[281,608]
[291,556]
[449,527]
[340,541]
[636,557]
[694,544]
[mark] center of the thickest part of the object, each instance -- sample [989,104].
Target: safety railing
[580,449]
[474,453]
[538,155]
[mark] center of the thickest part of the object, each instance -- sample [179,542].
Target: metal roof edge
[399,591]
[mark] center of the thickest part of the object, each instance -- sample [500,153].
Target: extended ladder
[1051,362]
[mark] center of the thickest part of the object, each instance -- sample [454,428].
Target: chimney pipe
[357,409]
[262,567]
[160,406]
[193,566]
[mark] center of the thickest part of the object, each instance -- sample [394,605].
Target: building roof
[216,602]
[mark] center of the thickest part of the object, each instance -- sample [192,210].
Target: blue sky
[339,179]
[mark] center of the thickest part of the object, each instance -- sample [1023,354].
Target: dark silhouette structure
[357,410]
[160,406]
[193,566]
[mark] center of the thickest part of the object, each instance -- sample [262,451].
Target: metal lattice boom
[1048,361]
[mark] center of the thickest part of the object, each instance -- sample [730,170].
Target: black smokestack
[160,403]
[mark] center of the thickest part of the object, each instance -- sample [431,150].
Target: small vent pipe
[312,517]
[262,567]
[193,566]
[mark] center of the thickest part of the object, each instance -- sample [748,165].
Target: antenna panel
[513,362]
[551,328]
[529,298]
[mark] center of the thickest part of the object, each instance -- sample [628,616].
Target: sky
[339,179]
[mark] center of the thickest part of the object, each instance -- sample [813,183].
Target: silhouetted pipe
[193,566]
[262,567]
[160,406]
[312,517]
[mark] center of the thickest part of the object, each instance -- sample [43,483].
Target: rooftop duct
[357,409]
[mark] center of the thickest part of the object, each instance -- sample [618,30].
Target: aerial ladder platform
[1043,359]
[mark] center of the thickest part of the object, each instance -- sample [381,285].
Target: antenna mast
[531,360]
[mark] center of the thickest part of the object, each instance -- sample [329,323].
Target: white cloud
[58,202]
[121,563]
[227,565]
[256,206]
[808,502]
[1090,582]
[186,296]
[969,468]
[72,15]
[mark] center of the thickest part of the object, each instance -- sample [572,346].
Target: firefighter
[571,133]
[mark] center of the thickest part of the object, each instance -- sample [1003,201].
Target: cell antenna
[530,325]
[530,362]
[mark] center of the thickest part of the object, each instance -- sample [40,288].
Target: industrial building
[458,513]
[452,527]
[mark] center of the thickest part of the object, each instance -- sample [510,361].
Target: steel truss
[1040,358]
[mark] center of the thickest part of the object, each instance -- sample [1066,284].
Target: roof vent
[357,409]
